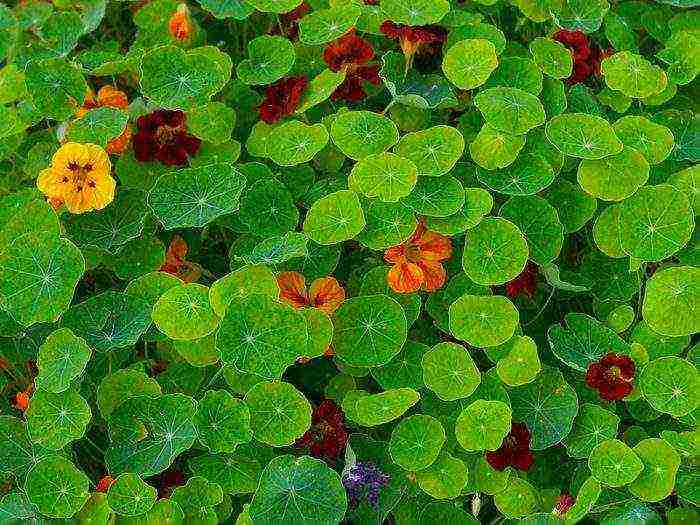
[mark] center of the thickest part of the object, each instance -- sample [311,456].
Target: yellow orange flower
[175,263]
[180,25]
[79,176]
[110,97]
[418,261]
[324,293]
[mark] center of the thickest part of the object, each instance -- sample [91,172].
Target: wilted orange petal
[434,247]
[180,25]
[118,145]
[435,275]
[292,287]
[405,277]
[177,249]
[326,294]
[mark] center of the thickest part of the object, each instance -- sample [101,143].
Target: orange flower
[79,176]
[180,25]
[324,293]
[418,261]
[22,399]
[109,97]
[104,483]
[175,263]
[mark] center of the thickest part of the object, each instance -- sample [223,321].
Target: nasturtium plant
[349,262]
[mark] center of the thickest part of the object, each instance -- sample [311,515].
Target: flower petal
[293,288]
[405,277]
[326,294]
[434,275]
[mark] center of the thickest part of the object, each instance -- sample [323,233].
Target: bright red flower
[175,263]
[327,436]
[563,504]
[352,54]
[411,38]
[282,98]
[418,261]
[104,484]
[525,283]
[612,376]
[514,451]
[162,136]
[22,400]
[325,293]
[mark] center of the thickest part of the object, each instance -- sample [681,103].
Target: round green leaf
[450,372]
[279,413]
[416,442]
[194,197]
[606,232]
[246,281]
[298,491]
[483,321]
[184,312]
[633,75]
[98,126]
[579,15]
[436,197]
[415,12]
[296,142]
[517,72]
[269,59]
[526,176]
[671,301]
[129,495]
[377,409]
[57,487]
[592,426]
[483,425]
[652,140]
[62,358]
[17,452]
[268,208]
[510,110]
[445,478]
[236,473]
[539,223]
[469,63]
[54,420]
[575,207]
[615,464]
[492,149]
[320,88]
[386,176]
[198,500]
[173,78]
[583,136]
[688,181]
[518,499]
[359,134]
[477,203]
[661,462]
[274,6]
[434,151]
[547,406]
[55,86]
[521,365]
[616,177]
[261,336]
[388,224]
[671,385]
[238,9]
[369,330]
[121,385]
[212,122]
[325,25]
[655,222]
[495,252]
[552,57]
[335,218]
[222,421]
[404,370]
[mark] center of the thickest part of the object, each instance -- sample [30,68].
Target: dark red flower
[563,504]
[327,436]
[612,376]
[290,20]
[104,484]
[282,98]
[587,56]
[514,451]
[525,283]
[371,2]
[166,481]
[428,38]
[162,136]
[352,54]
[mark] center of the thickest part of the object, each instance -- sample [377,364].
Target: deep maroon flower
[290,20]
[414,35]
[282,98]
[364,481]
[167,481]
[587,56]
[162,136]
[327,436]
[514,451]
[612,376]
[563,504]
[352,54]
[525,283]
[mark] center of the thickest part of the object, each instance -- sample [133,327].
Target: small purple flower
[363,481]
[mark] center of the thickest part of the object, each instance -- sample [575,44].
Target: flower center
[614,372]
[80,176]
[413,253]
[165,134]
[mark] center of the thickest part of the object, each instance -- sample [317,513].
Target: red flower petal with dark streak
[346,50]
[563,504]
[612,376]
[327,436]
[282,98]
[514,451]
[104,484]
[162,136]
[525,283]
